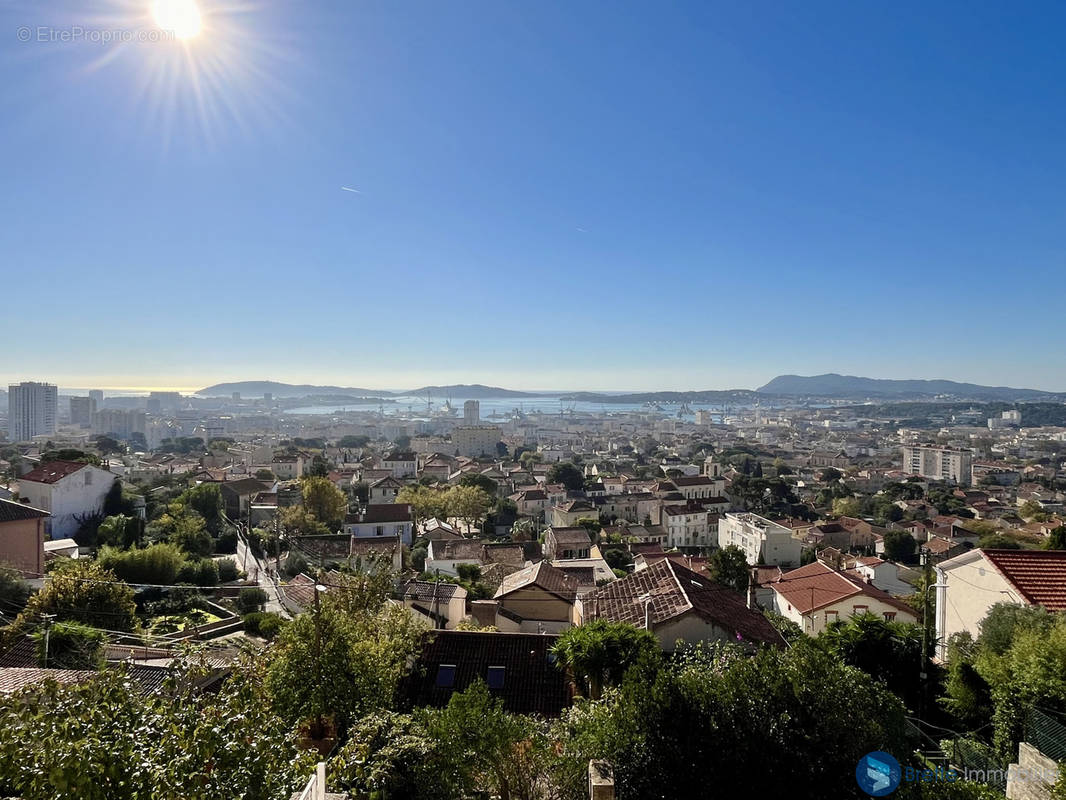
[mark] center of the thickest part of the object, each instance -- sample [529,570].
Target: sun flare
[180,16]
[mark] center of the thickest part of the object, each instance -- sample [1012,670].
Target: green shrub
[295,564]
[203,572]
[263,623]
[227,570]
[160,563]
[251,599]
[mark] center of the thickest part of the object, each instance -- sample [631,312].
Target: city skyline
[417,380]
[822,189]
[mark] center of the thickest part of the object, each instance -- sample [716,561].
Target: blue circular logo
[878,773]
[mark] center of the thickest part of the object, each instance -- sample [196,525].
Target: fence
[315,788]
[1047,734]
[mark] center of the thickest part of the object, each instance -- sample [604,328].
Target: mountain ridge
[832,384]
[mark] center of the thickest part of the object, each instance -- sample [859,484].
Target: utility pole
[926,619]
[319,732]
[48,619]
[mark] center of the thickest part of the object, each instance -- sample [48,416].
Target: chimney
[752,578]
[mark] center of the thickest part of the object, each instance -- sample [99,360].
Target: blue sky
[567,194]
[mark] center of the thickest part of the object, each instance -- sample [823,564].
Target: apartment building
[939,463]
[31,410]
[763,541]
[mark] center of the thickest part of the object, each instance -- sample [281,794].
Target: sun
[180,16]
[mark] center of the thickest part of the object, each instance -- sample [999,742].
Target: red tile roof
[818,585]
[1039,575]
[53,471]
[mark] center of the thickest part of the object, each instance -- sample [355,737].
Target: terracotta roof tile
[1040,575]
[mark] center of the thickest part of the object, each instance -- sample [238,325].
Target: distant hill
[254,388]
[471,391]
[280,390]
[850,386]
[708,396]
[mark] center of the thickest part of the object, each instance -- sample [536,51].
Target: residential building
[475,441]
[70,491]
[287,467]
[385,489]
[31,410]
[518,668]
[472,413]
[763,541]
[81,411]
[120,423]
[22,537]
[567,514]
[536,599]
[939,463]
[816,595]
[689,526]
[678,605]
[969,584]
[442,605]
[562,542]
[382,519]
[400,463]
[446,555]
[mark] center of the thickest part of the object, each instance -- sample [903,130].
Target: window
[860,609]
[379,530]
[890,615]
[496,676]
[446,676]
[88,477]
[831,616]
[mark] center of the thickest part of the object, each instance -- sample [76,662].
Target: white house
[445,555]
[763,541]
[968,585]
[689,526]
[816,595]
[70,491]
[382,519]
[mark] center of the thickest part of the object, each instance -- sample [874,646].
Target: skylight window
[446,676]
[496,677]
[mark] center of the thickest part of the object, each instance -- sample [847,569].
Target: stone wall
[1033,776]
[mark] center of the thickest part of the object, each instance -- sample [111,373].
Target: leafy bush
[294,564]
[227,570]
[263,623]
[251,599]
[159,563]
[71,646]
[203,572]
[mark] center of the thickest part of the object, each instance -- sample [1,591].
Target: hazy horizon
[607,194]
[496,381]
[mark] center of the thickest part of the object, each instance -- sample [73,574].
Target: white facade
[968,585]
[760,538]
[686,527]
[939,463]
[31,410]
[70,499]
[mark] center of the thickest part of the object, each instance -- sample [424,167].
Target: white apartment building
[689,527]
[939,463]
[31,410]
[763,541]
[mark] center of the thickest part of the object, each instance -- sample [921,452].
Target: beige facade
[939,463]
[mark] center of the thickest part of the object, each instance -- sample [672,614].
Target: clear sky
[549,193]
